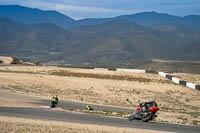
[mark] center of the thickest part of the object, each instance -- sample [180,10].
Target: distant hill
[121,39]
[187,40]
[149,18]
[9,30]
[189,51]
[39,41]
[177,31]
[33,15]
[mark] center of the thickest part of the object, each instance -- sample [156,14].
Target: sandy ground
[194,78]
[180,103]
[18,125]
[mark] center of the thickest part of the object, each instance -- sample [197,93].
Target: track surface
[5,95]
[65,116]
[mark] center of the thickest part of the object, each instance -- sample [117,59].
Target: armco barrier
[112,69]
[198,87]
[149,71]
[169,77]
[104,69]
[182,82]
[166,75]
[130,70]
[176,80]
[162,74]
[192,85]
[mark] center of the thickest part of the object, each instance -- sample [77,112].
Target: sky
[79,9]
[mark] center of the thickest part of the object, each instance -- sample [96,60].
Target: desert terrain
[20,125]
[178,104]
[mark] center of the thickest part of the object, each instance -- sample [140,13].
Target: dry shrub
[101,76]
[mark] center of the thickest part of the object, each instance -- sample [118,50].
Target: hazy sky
[109,8]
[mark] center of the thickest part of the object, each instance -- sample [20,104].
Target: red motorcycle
[145,112]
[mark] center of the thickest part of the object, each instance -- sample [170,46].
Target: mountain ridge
[27,15]
[115,40]
[33,15]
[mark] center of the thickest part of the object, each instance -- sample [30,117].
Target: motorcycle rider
[149,104]
[145,111]
[144,106]
[54,99]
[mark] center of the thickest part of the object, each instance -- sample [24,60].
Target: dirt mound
[6,59]
[12,60]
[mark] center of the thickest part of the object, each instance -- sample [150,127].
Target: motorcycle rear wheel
[53,104]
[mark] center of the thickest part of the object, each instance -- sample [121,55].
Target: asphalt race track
[62,104]
[67,116]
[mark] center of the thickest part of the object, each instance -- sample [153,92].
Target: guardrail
[192,85]
[130,70]
[179,81]
[104,69]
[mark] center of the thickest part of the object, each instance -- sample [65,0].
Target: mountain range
[49,36]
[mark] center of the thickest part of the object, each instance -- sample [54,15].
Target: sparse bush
[195,122]
[1,61]
[37,63]
[100,76]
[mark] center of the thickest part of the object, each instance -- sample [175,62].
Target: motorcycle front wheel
[131,117]
[147,116]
